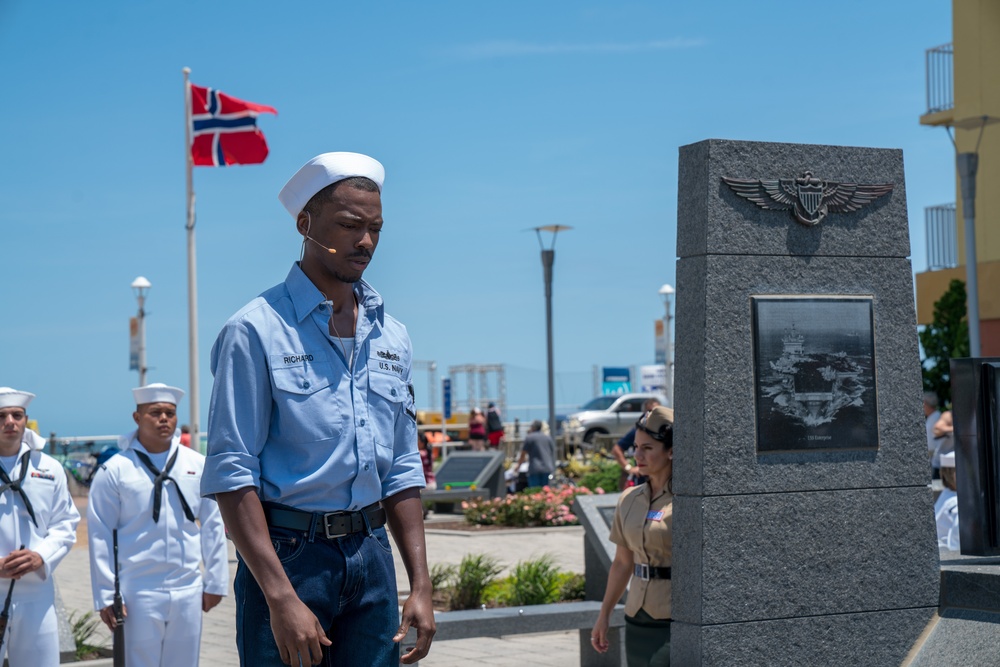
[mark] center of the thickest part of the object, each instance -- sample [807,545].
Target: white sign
[653,378]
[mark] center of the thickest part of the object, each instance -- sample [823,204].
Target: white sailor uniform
[32,632]
[159,560]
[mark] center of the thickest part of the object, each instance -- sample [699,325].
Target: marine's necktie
[18,486]
[159,477]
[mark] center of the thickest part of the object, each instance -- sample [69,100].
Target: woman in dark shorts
[477,430]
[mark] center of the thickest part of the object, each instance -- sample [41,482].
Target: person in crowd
[427,460]
[312,443]
[931,416]
[149,493]
[186,435]
[642,533]
[539,451]
[944,434]
[477,430]
[37,528]
[623,450]
[946,506]
[494,425]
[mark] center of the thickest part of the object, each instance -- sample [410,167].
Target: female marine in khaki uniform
[642,531]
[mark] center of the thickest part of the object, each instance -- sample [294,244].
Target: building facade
[963,95]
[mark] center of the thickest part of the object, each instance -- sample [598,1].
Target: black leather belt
[647,572]
[330,525]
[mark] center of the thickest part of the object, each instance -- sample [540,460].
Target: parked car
[606,415]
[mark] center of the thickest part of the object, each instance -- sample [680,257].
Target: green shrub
[497,594]
[475,573]
[534,582]
[83,627]
[605,477]
[474,583]
[572,586]
[442,576]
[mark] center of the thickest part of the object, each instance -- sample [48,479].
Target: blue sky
[490,118]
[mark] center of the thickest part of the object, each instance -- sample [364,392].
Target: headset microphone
[329,250]
[308,225]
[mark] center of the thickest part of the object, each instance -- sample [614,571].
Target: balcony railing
[942,244]
[940,84]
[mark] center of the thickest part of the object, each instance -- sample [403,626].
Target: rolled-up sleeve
[239,411]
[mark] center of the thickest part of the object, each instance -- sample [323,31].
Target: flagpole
[192,273]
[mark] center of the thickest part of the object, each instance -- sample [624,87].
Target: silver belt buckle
[643,571]
[326,525]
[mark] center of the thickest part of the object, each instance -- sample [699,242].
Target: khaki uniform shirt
[644,528]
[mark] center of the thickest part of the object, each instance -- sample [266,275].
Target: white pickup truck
[606,415]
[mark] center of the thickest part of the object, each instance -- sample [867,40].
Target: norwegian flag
[224,129]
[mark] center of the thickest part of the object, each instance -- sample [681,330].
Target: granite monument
[803,522]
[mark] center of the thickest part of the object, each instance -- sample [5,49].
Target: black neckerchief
[18,486]
[158,479]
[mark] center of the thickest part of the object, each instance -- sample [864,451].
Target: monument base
[817,641]
[966,629]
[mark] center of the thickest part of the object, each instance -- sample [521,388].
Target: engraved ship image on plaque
[810,198]
[813,388]
[815,373]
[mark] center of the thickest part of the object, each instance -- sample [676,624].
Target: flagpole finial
[186,70]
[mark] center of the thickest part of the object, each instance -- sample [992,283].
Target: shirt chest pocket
[307,404]
[302,379]
[389,398]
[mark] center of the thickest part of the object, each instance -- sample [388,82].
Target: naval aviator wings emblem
[810,198]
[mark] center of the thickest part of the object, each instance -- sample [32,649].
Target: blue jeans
[540,479]
[349,584]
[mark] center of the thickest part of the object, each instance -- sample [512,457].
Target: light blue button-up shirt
[288,414]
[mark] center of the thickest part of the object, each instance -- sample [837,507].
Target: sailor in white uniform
[150,493]
[36,511]
[946,506]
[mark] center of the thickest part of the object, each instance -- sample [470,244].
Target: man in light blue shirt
[312,443]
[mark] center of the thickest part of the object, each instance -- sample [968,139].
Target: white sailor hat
[948,460]
[324,170]
[157,393]
[12,398]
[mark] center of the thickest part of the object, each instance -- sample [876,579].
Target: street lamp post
[141,286]
[967,164]
[668,359]
[548,259]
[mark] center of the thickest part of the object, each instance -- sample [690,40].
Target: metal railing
[940,83]
[942,242]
